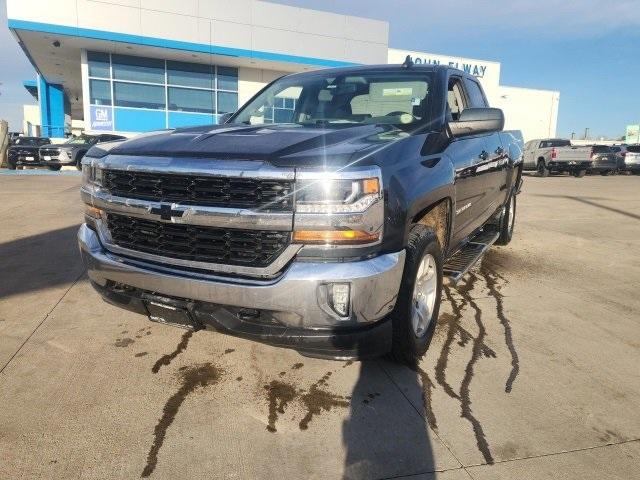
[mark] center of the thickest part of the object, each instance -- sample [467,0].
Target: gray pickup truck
[545,156]
[322,216]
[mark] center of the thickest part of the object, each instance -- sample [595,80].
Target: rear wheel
[542,169]
[579,173]
[416,312]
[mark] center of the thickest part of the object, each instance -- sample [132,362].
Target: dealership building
[130,66]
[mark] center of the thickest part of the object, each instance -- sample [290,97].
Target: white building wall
[535,112]
[251,25]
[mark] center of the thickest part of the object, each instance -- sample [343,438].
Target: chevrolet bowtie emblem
[165,212]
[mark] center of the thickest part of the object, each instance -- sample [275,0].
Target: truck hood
[280,143]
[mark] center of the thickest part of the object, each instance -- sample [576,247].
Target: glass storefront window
[98,65]
[138,96]
[227,102]
[100,92]
[228,79]
[169,86]
[190,100]
[190,75]
[137,69]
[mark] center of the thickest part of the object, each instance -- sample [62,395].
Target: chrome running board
[465,258]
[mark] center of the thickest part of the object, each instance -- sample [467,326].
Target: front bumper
[291,310]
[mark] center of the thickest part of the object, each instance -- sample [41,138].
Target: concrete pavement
[532,373]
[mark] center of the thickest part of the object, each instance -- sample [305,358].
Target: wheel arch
[438,216]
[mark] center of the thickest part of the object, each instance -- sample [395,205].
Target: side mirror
[473,121]
[224,118]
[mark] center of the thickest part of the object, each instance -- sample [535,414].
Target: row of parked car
[40,152]
[556,155]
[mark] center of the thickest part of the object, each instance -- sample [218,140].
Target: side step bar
[462,261]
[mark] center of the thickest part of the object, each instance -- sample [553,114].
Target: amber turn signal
[334,237]
[371,185]
[93,212]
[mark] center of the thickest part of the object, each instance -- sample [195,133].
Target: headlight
[339,208]
[91,173]
[336,195]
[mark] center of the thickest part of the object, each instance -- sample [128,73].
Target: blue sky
[588,50]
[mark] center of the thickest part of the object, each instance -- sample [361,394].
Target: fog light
[340,298]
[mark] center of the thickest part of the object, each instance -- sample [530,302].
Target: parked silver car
[632,159]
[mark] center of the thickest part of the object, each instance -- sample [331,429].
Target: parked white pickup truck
[556,155]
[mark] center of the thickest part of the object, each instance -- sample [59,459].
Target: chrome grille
[254,248]
[211,191]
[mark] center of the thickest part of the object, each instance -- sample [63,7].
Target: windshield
[81,140]
[391,98]
[31,142]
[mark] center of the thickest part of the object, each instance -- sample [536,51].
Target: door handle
[484,155]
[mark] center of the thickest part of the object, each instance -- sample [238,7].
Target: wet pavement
[532,372]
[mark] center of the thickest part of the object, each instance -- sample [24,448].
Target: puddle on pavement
[455,336]
[168,358]
[191,378]
[313,401]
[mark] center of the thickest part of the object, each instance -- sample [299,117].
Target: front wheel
[55,168]
[507,222]
[416,312]
[579,173]
[11,166]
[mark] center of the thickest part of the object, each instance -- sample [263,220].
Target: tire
[579,173]
[55,168]
[410,343]
[11,166]
[605,173]
[507,221]
[542,169]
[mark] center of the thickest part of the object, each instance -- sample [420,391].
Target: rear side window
[476,97]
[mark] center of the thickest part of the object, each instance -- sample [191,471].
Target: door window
[455,98]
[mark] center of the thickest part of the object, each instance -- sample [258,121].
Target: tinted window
[100,92]
[227,102]
[190,75]
[138,96]
[189,100]
[601,149]
[31,142]
[138,69]
[455,98]
[476,98]
[633,149]
[555,143]
[98,64]
[228,78]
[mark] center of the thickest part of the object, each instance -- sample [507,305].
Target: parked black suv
[72,151]
[323,216]
[605,160]
[24,151]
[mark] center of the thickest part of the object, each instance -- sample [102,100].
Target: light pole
[586,133]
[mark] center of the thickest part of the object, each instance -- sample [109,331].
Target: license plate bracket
[170,315]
